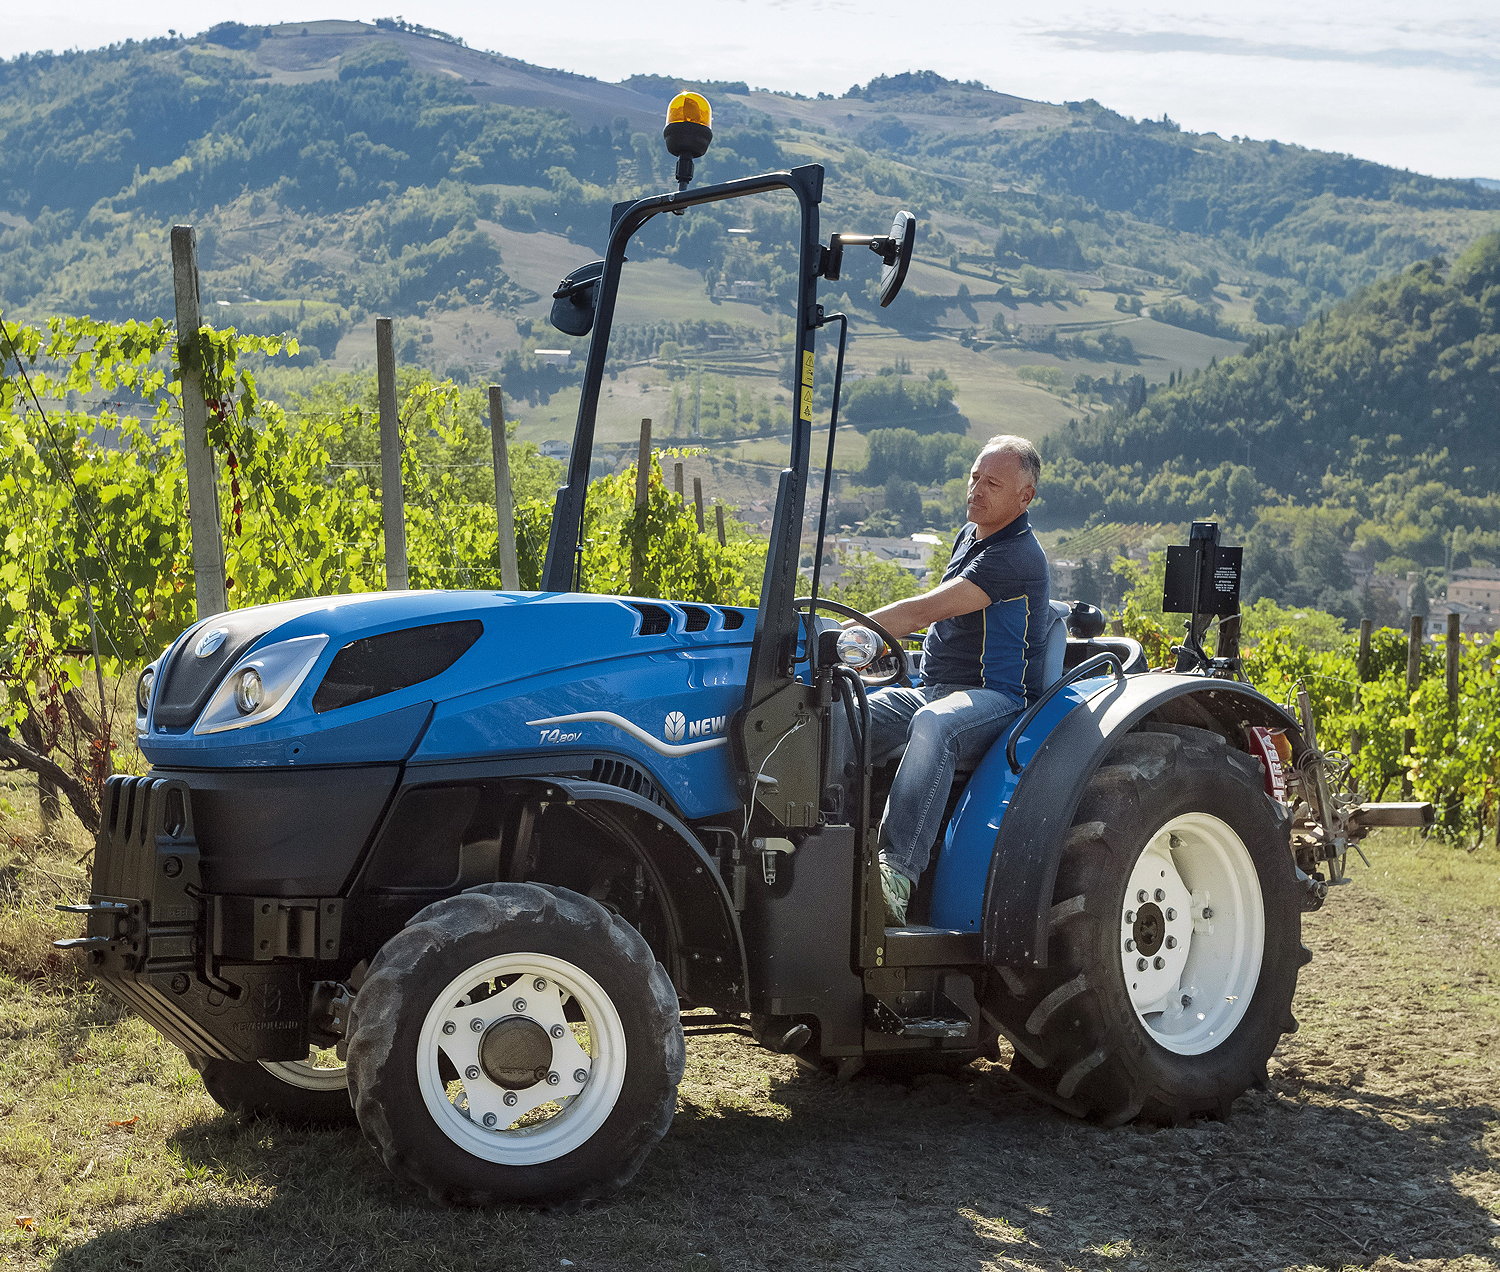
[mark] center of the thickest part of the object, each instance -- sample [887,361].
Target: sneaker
[895,887]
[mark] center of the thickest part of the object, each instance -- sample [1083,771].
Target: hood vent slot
[654,619]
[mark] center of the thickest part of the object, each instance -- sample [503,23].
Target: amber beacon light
[688,133]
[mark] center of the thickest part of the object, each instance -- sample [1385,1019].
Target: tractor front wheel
[311,1092]
[1174,938]
[515,1043]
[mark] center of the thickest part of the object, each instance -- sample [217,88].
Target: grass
[1377,1144]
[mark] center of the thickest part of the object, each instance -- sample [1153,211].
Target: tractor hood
[357,679]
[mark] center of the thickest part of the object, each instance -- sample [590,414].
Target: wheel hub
[1149,929]
[515,1053]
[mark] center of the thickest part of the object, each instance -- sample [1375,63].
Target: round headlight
[143,691]
[858,647]
[249,691]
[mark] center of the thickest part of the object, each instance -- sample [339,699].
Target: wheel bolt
[472,1073]
[1160,895]
[1171,914]
[539,984]
[510,1099]
[476,1025]
[1208,912]
[557,1031]
[553,1078]
[580,1075]
[1140,965]
[449,1026]
[1142,895]
[1158,962]
[519,1005]
[1130,916]
[1129,945]
[490,1119]
[1187,1000]
[1171,942]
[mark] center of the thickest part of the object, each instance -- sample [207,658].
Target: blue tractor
[456,863]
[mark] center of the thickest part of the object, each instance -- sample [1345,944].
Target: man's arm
[948,600]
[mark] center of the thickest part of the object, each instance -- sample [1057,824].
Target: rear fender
[1004,842]
[706,958]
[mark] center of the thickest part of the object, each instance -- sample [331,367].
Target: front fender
[1000,855]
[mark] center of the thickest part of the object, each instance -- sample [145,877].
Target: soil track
[1377,1145]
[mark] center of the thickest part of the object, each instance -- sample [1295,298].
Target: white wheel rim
[308,1075]
[505,1122]
[1191,935]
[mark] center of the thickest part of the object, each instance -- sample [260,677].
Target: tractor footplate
[918,1014]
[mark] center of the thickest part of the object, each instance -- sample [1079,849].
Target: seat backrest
[1057,644]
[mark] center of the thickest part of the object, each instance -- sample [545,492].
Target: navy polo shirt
[1003,645]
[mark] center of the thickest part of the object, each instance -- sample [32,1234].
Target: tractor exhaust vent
[628,778]
[654,619]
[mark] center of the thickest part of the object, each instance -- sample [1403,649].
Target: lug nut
[553,1078]
[1160,895]
[1187,1000]
[1129,945]
[539,984]
[580,1075]
[1158,962]
[490,1119]
[472,1073]
[1171,942]
[519,1005]
[1130,916]
[1171,914]
[1208,912]
[449,1026]
[510,1099]
[476,1025]
[557,1031]
[1140,965]
[1142,895]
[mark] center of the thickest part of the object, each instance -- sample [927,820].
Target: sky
[1412,85]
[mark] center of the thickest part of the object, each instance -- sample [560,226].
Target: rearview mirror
[573,301]
[897,256]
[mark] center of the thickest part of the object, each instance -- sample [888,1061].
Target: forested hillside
[338,168]
[1374,425]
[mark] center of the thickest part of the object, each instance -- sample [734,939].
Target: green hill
[337,169]
[1373,425]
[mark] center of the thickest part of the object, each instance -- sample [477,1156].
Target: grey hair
[1024,451]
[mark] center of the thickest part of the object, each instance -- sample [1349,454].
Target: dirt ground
[1377,1145]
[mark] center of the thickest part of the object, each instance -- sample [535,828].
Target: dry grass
[1377,1145]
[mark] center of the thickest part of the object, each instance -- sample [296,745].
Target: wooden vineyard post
[505,508]
[642,502]
[203,486]
[392,498]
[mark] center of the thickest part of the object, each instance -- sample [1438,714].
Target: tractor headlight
[249,691]
[143,686]
[260,685]
[858,647]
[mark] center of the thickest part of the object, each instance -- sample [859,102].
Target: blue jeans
[942,727]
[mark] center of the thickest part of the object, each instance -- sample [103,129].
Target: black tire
[470,1013]
[296,1093]
[1094,1033]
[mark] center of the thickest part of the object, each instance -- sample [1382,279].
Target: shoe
[895,887]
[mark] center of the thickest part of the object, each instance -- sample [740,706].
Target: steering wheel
[895,652]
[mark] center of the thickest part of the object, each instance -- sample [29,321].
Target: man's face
[999,491]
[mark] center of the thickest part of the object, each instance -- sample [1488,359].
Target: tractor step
[918,1014]
[920,946]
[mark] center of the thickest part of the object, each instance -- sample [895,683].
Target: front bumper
[228,977]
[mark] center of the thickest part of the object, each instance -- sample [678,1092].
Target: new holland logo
[675,726]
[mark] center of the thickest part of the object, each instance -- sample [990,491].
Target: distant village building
[555,357]
[554,449]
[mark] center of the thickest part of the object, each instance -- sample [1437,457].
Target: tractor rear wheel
[1174,938]
[515,1043]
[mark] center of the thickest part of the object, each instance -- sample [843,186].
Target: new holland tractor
[456,863]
